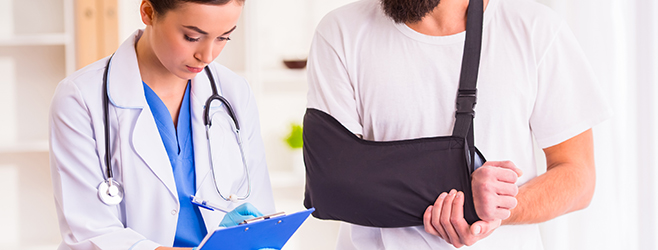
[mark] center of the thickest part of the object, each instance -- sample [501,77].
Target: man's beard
[408,11]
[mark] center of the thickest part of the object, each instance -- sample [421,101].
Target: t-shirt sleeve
[330,88]
[569,100]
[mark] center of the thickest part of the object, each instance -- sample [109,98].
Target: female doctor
[159,153]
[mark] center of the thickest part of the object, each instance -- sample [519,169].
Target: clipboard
[267,233]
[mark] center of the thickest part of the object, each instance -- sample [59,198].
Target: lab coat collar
[125,88]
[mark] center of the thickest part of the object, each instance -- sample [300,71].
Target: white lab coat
[148,214]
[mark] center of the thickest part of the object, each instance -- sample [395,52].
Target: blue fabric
[178,143]
[239,214]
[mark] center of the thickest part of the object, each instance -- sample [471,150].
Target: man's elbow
[586,191]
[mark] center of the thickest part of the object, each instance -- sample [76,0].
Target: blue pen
[207,205]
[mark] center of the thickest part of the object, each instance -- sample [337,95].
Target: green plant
[294,138]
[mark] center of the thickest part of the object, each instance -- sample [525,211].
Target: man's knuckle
[430,230]
[510,175]
[484,187]
[445,221]
[436,222]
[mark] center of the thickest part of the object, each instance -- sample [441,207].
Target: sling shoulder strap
[467,93]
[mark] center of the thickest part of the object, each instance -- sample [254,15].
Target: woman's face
[188,38]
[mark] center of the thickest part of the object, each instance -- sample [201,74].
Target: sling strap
[467,93]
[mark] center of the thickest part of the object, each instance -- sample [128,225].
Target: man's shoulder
[528,11]
[528,20]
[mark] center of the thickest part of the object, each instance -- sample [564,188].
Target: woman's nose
[204,54]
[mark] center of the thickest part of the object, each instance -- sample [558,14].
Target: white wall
[129,18]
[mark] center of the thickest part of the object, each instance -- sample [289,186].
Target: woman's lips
[194,69]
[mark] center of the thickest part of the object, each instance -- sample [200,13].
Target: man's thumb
[482,227]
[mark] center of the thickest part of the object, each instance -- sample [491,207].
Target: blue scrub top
[178,143]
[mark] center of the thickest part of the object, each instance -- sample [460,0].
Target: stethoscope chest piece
[110,192]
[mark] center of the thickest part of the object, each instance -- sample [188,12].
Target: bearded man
[389,70]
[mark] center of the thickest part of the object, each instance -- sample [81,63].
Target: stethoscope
[111,191]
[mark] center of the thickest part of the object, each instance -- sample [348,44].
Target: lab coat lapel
[201,91]
[127,92]
[148,145]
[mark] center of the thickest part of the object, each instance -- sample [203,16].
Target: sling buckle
[466,100]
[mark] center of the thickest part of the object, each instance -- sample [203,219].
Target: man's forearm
[567,186]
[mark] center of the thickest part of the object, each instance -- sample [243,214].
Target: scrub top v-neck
[178,143]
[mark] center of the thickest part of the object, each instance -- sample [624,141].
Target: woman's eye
[223,39]
[190,39]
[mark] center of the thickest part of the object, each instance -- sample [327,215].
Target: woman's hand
[239,214]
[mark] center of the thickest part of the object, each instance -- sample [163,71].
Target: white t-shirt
[388,82]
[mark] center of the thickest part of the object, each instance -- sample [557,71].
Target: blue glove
[239,214]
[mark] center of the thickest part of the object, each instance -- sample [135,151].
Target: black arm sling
[390,184]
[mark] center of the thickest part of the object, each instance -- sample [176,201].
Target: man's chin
[408,11]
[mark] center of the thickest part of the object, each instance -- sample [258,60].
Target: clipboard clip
[266,217]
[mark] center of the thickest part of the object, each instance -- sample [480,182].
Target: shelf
[25,147]
[35,40]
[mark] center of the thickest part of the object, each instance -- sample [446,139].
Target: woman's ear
[147,12]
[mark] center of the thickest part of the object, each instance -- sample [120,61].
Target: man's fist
[494,189]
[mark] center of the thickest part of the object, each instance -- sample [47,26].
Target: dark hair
[402,11]
[162,6]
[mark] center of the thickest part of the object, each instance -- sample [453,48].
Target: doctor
[158,148]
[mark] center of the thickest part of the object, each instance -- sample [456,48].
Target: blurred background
[42,41]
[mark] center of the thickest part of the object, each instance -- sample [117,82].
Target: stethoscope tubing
[216,96]
[244,163]
[208,123]
[106,120]
[110,199]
